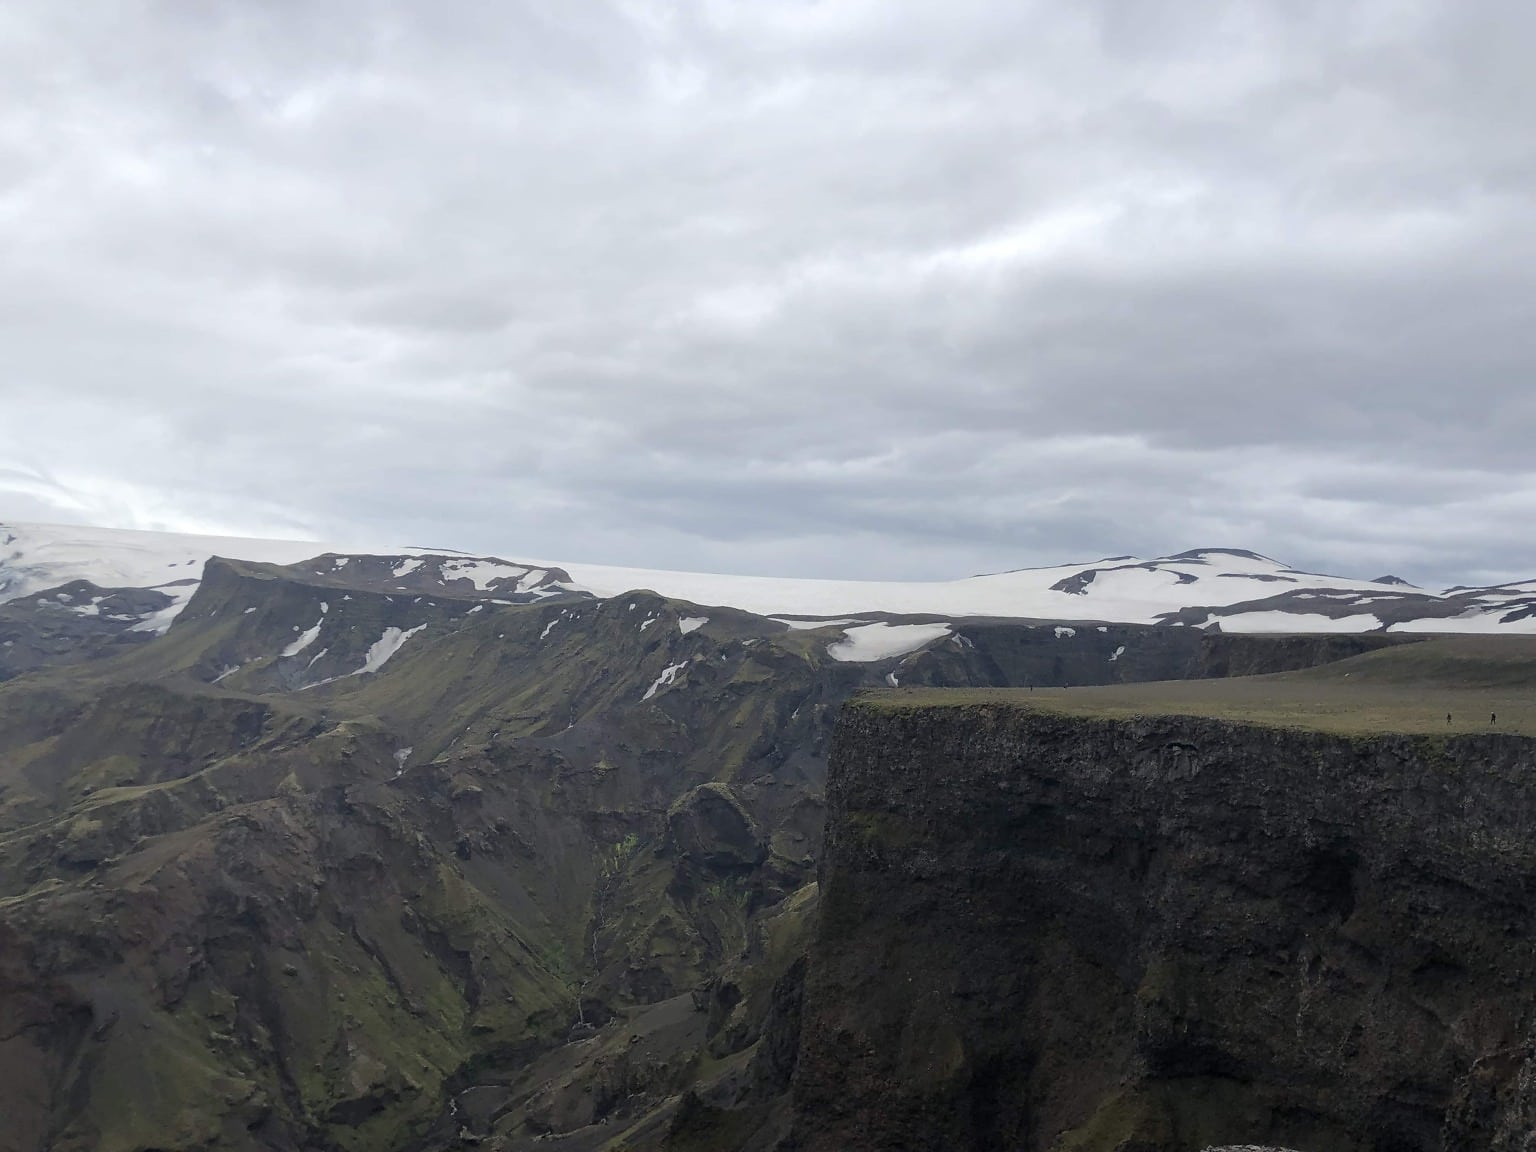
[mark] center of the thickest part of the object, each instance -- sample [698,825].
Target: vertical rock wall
[1042,932]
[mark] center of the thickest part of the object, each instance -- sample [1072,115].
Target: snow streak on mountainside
[1231,589]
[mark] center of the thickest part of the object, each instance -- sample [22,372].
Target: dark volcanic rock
[1087,935]
[1236,654]
[73,623]
[709,825]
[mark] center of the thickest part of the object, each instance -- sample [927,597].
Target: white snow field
[871,642]
[1276,621]
[483,573]
[1483,623]
[1122,589]
[38,556]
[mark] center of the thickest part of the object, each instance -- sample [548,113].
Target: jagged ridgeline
[383,853]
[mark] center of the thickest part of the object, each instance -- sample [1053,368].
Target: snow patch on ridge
[872,642]
[807,625]
[159,622]
[483,573]
[1294,622]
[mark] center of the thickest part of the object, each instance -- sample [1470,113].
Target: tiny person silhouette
[1447,717]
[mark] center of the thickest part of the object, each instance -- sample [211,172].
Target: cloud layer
[826,288]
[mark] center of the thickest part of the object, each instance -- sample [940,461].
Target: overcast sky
[839,288]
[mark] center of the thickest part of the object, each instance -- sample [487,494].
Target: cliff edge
[1162,933]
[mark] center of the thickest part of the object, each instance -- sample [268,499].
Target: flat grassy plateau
[1411,688]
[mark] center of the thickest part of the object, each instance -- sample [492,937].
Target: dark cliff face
[1041,932]
[1236,654]
[1003,653]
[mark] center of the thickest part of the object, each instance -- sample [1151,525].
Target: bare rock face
[1082,934]
[710,826]
[74,623]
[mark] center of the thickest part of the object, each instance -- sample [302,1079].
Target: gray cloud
[845,288]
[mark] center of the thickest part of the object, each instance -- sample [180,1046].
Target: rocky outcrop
[1169,934]
[709,825]
[74,623]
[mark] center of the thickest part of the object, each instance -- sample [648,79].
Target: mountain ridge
[1226,589]
[374,851]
